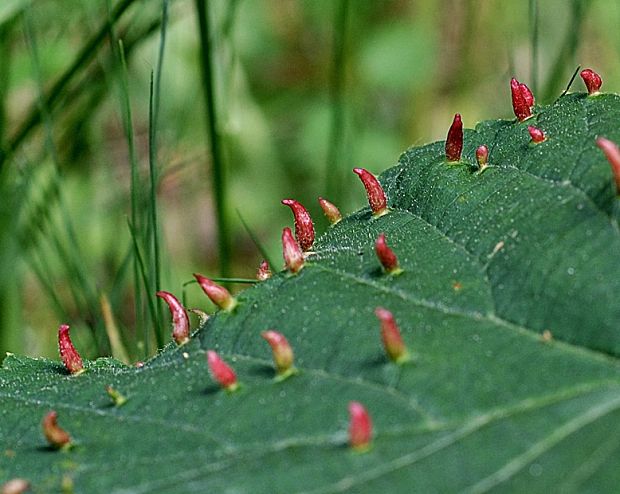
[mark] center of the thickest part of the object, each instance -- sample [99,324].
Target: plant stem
[337,87]
[217,159]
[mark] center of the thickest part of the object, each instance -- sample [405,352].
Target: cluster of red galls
[295,252]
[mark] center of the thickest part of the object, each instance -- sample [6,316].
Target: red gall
[332,213]
[482,156]
[180,319]
[282,353]
[391,337]
[304,228]
[69,355]
[56,436]
[360,427]
[386,256]
[522,100]
[374,191]
[264,272]
[217,293]
[536,134]
[293,256]
[222,372]
[15,486]
[454,141]
[592,81]
[612,153]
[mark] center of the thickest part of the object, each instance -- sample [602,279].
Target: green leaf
[491,260]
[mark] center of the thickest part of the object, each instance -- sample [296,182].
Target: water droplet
[571,271]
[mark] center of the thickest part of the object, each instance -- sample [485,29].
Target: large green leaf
[490,260]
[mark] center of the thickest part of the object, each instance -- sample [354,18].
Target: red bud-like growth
[522,100]
[536,134]
[222,372]
[332,213]
[612,153]
[592,81]
[217,293]
[282,351]
[374,191]
[69,355]
[293,256]
[482,156]
[264,272]
[386,256]
[360,427]
[304,228]
[391,337]
[180,319]
[454,141]
[56,436]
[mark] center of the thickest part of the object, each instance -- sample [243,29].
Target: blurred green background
[111,176]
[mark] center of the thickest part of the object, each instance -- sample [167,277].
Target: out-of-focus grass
[302,91]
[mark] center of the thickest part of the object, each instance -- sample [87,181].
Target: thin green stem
[51,97]
[533,15]
[256,241]
[219,188]
[337,94]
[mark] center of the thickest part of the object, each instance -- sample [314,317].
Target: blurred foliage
[305,90]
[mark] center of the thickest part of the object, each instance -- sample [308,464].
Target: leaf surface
[490,261]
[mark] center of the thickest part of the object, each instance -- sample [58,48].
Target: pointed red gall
[536,134]
[592,81]
[217,293]
[374,191]
[522,100]
[332,213]
[454,141]
[56,436]
[282,352]
[222,372]
[304,228]
[69,355]
[482,156]
[293,256]
[263,273]
[386,256]
[391,337]
[180,319]
[360,427]
[612,153]
[527,94]
[15,486]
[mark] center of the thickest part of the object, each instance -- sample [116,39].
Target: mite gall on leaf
[390,335]
[304,228]
[536,134]
[592,81]
[293,256]
[374,192]
[454,140]
[360,427]
[482,157]
[217,293]
[69,355]
[522,100]
[56,436]
[264,272]
[282,353]
[332,213]
[180,319]
[222,372]
[386,256]
[612,153]
[15,486]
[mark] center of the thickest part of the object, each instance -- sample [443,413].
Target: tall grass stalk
[218,171]
[52,96]
[336,145]
[533,16]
